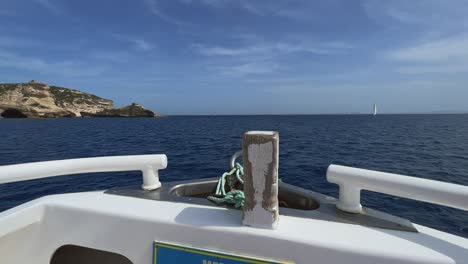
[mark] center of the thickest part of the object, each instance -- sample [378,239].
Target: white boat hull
[31,233]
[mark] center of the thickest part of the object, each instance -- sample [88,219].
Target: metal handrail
[232,161]
[352,180]
[147,164]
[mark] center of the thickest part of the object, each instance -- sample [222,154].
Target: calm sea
[428,146]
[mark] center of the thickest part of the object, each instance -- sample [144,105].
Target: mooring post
[260,154]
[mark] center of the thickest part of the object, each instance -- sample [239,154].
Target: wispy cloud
[138,43]
[433,14]
[214,3]
[270,49]
[143,44]
[155,8]
[296,10]
[441,50]
[436,69]
[66,68]
[51,6]
[448,55]
[440,41]
[227,51]
[255,56]
[251,68]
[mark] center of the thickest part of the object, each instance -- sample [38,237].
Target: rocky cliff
[36,100]
[133,110]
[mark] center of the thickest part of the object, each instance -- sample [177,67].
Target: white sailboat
[375,110]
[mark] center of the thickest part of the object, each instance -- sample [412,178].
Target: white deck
[32,232]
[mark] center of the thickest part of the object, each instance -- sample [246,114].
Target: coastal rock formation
[133,110]
[39,100]
[36,99]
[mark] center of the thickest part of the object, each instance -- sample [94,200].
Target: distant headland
[39,100]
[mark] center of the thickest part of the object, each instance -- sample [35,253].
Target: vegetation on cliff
[66,95]
[36,99]
[6,87]
[133,110]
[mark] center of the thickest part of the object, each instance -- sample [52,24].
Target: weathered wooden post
[260,154]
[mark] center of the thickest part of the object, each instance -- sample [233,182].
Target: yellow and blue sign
[165,253]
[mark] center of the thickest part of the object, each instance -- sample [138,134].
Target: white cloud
[227,51]
[272,49]
[214,3]
[448,55]
[432,14]
[402,15]
[441,50]
[440,69]
[256,56]
[439,39]
[296,10]
[64,68]
[142,44]
[260,67]
[155,8]
[48,4]
[138,43]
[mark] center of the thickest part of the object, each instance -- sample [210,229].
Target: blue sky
[244,57]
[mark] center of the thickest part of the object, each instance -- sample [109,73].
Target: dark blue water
[429,146]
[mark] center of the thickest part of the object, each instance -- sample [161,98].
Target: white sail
[375,109]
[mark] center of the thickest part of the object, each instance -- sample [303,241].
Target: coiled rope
[233,196]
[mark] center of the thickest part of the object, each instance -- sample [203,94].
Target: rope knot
[235,195]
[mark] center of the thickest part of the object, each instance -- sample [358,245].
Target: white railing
[147,164]
[352,180]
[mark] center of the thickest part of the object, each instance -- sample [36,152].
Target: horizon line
[364,114]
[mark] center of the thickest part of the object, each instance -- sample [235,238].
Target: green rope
[235,197]
[238,170]
[239,173]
